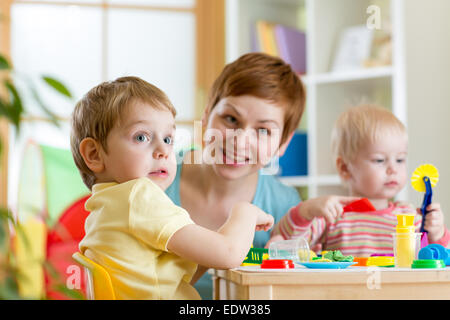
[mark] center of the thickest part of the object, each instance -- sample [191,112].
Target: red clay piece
[277,264]
[361,205]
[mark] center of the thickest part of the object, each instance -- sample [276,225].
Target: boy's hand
[264,221]
[329,207]
[434,222]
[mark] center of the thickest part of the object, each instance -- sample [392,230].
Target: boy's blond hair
[360,125]
[101,109]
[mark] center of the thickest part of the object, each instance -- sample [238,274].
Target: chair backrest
[99,286]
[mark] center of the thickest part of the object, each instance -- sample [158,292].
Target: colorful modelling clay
[317,259]
[337,256]
[277,264]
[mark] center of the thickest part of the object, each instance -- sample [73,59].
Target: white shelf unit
[328,93]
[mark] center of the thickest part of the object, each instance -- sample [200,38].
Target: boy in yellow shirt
[122,143]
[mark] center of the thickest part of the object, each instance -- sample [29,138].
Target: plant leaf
[15,106]
[16,101]
[4,109]
[52,117]
[57,85]
[69,293]
[4,64]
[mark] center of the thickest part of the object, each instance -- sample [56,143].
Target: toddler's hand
[434,222]
[276,238]
[329,207]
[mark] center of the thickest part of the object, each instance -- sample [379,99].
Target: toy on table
[277,264]
[333,256]
[376,259]
[361,261]
[327,265]
[361,205]
[423,179]
[280,255]
[255,256]
[435,252]
[296,250]
[320,259]
[380,261]
[406,241]
[428,264]
[337,256]
[333,259]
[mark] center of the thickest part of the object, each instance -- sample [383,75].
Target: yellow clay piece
[322,260]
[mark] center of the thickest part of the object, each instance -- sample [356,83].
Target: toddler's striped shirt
[354,233]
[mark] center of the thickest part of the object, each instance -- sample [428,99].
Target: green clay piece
[337,256]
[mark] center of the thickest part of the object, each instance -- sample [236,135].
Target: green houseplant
[13,109]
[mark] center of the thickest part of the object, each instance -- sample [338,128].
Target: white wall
[427,27]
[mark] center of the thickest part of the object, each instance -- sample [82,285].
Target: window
[88,41]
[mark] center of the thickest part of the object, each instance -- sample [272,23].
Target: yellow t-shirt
[127,232]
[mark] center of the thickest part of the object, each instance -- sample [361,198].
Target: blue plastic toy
[435,251]
[423,179]
[426,201]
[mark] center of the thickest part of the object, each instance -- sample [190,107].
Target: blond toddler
[370,147]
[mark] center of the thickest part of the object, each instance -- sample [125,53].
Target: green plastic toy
[255,256]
